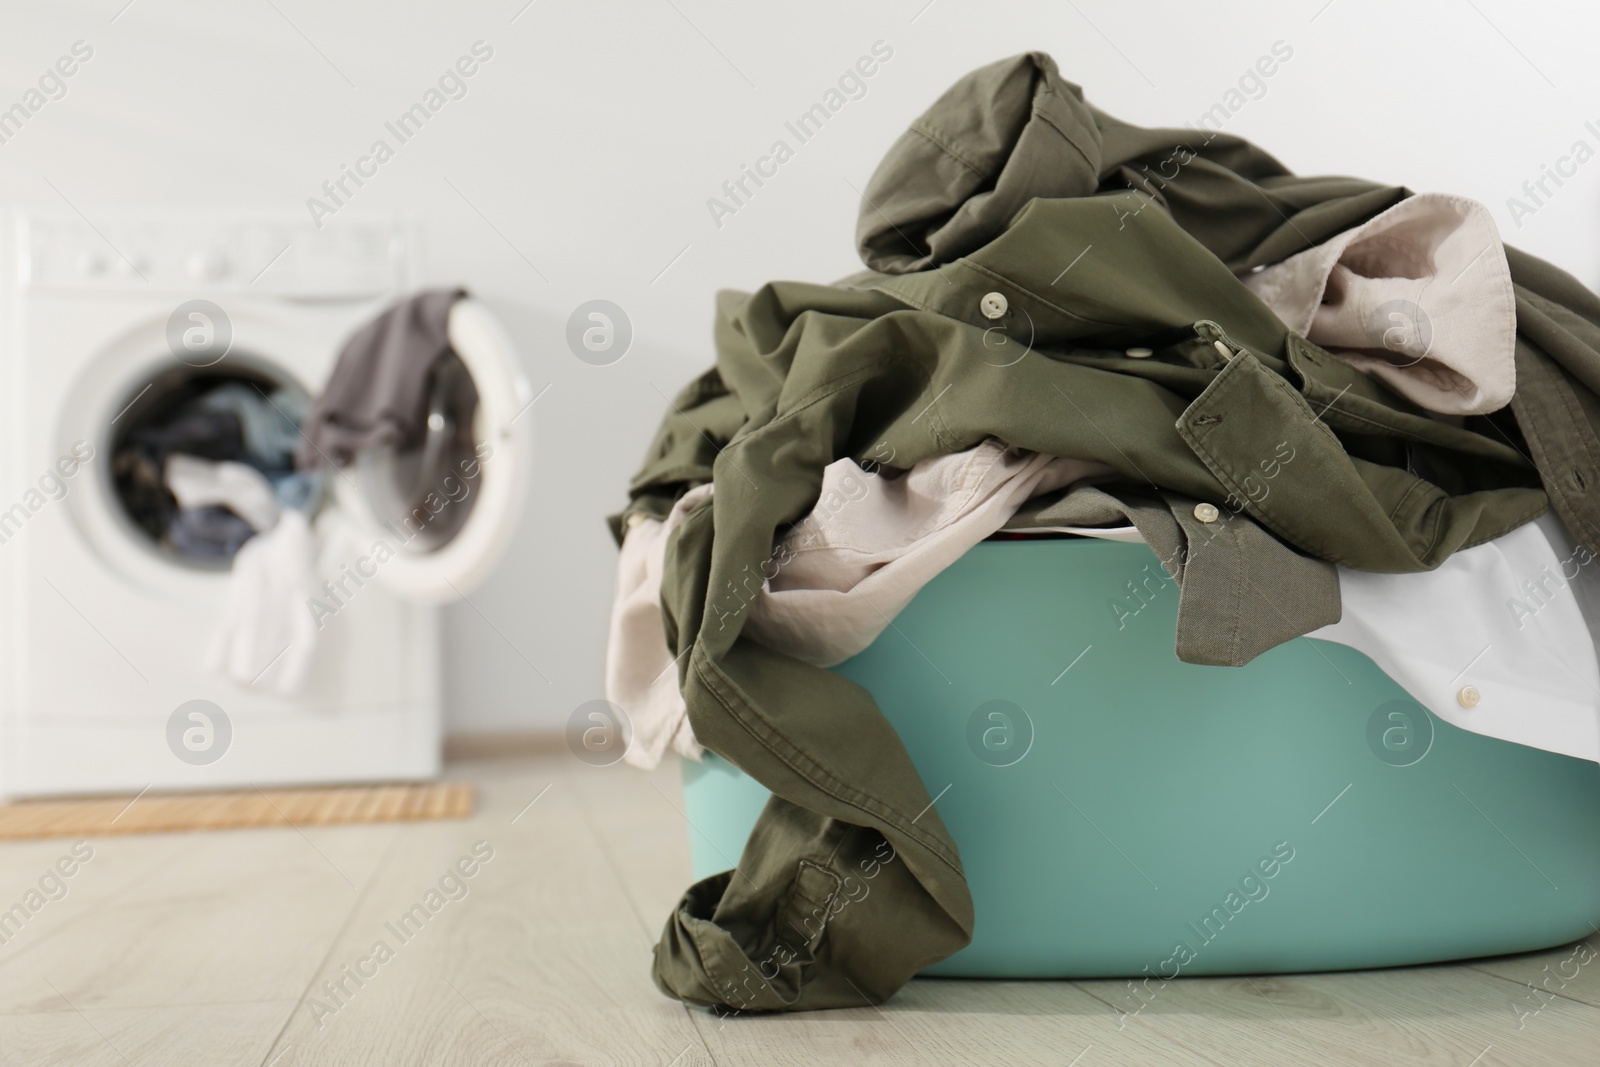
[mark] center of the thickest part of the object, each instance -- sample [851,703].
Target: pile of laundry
[1331,407]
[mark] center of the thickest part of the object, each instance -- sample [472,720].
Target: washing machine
[103,627]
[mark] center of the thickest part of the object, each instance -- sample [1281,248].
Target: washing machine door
[439,517]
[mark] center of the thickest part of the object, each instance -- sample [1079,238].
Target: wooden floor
[231,947]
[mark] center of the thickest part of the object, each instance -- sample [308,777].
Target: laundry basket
[1120,813]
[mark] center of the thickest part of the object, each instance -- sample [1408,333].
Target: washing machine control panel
[190,253]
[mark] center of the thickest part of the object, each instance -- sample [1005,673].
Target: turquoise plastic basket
[1120,813]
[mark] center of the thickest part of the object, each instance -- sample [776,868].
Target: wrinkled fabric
[239,487]
[1420,296]
[958,176]
[266,636]
[269,422]
[1217,399]
[208,434]
[1516,619]
[639,670]
[137,467]
[377,394]
[1233,197]
[209,532]
[840,576]
[1516,611]
[1249,211]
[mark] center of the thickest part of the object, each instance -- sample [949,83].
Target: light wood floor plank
[113,866]
[216,1035]
[1413,1016]
[639,820]
[242,915]
[1571,971]
[934,1022]
[540,960]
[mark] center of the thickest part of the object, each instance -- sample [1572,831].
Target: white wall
[594,136]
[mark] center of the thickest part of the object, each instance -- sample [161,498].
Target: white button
[634,519]
[1227,353]
[1468,696]
[1139,353]
[993,305]
[1206,512]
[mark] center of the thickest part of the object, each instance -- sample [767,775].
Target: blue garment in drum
[270,423]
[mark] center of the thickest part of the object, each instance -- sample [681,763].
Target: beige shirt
[1419,296]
